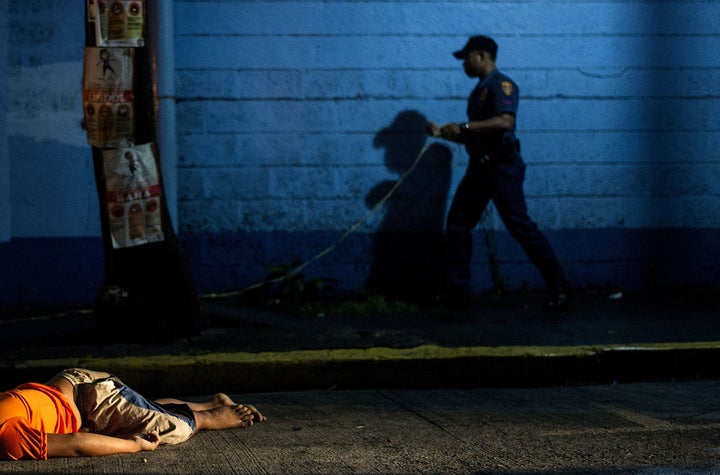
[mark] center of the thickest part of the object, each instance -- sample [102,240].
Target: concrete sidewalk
[618,429]
[500,341]
[427,391]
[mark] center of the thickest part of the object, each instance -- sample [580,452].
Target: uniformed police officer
[495,172]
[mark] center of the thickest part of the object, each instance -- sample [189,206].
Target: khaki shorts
[109,407]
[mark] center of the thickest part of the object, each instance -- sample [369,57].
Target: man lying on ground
[80,412]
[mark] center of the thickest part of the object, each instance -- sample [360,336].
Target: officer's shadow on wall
[408,245]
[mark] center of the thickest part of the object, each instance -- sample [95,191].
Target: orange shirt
[27,414]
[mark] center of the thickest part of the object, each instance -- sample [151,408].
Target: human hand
[148,441]
[451,131]
[432,129]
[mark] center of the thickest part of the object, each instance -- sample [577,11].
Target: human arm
[453,131]
[87,444]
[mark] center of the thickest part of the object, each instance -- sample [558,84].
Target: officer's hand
[432,129]
[451,132]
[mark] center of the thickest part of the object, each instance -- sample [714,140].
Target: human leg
[220,412]
[228,417]
[78,376]
[217,400]
[109,407]
[467,207]
[509,200]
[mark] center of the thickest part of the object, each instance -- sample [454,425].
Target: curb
[426,366]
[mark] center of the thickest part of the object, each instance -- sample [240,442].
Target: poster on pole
[109,117]
[134,194]
[118,22]
[109,69]
[108,99]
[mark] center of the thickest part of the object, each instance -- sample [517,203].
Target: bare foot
[227,417]
[222,399]
[256,414]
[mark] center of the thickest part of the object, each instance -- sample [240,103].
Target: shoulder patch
[507,87]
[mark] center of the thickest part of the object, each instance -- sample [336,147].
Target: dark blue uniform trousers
[503,184]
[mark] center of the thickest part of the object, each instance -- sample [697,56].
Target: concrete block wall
[296,117]
[50,246]
[281,106]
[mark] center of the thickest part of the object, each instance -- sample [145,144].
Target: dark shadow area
[408,244]
[598,341]
[672,145]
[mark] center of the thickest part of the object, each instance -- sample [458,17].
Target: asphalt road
[642,429]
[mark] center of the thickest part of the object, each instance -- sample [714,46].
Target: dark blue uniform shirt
[494,95]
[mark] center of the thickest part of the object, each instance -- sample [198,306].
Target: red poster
[133,193]
[108,100]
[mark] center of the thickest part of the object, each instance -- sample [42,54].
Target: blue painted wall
[4,160]
[295,117]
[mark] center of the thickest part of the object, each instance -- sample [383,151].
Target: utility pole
[148,291]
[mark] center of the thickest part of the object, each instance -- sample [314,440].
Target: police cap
[478,43]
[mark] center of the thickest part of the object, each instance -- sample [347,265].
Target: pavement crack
[415,412]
